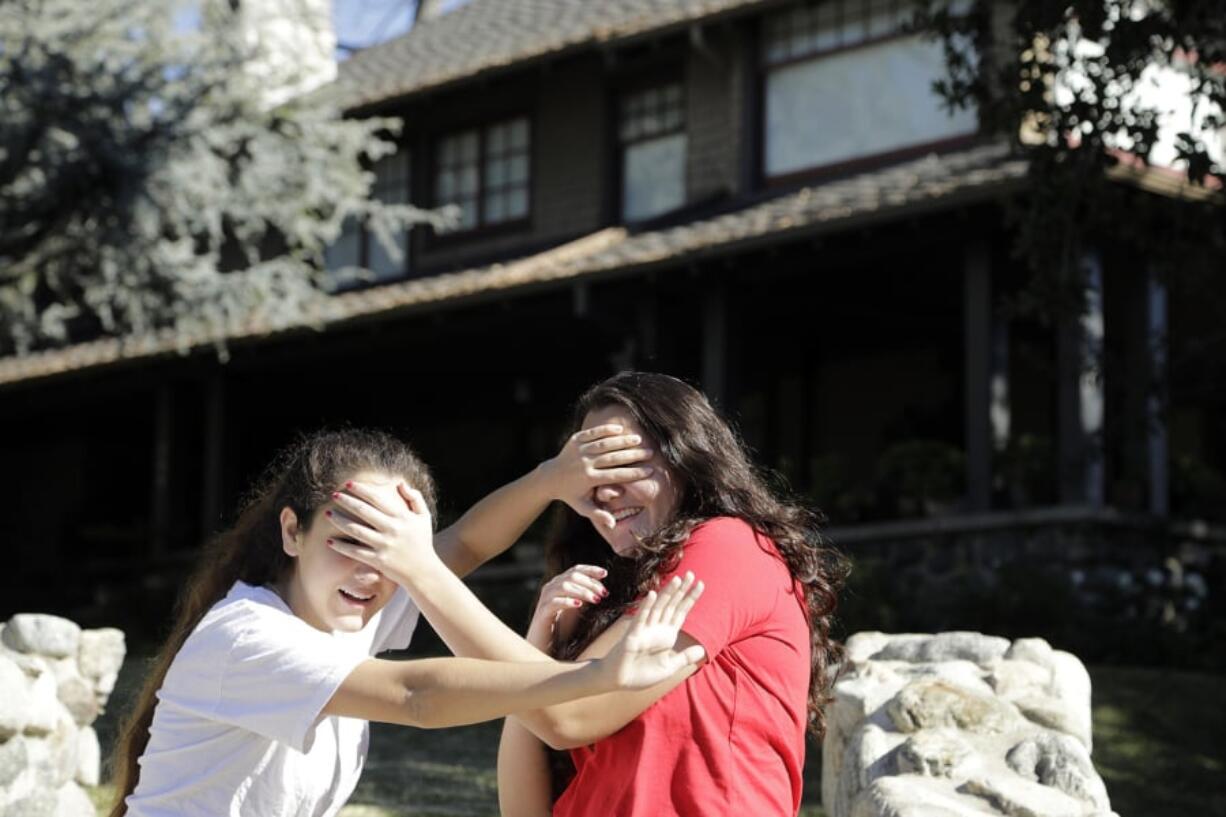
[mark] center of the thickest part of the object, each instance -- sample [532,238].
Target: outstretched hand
[600,455]
[648,654]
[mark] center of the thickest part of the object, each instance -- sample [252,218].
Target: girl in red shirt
[724,738]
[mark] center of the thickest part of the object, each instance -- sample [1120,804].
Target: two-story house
[762,196]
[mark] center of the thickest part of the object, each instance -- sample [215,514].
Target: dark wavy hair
[715,478]
[302,478]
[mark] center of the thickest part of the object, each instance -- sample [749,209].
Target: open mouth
[626,513]
[354,597]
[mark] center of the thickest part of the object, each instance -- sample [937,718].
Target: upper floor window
[844,81]
[651,131]
[485,172]
[357,245]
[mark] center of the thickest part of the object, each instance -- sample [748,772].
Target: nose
[608,493]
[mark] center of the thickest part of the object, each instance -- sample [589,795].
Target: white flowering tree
[148,183]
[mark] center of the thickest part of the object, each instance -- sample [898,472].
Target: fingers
[612,443]
[623,457]
[609,476]
[374,495]
[599,516]
[414,499]
[668,613]
[694,655]
[359,553]
[663,601]
[360,509]
[353,529]
[589,590]
[595,433]
[685,604]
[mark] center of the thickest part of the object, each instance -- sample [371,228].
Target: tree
[147,183]
[1070,84]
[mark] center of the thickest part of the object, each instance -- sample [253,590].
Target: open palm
[648,653]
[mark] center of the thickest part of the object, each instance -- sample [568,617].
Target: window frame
[482,126]
[763,68]
[641,83]
[365,236]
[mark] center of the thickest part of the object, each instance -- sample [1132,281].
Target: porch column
[1157,450]
[163,431]
[714,341]
[986,375]
[1079,353]
[214,451]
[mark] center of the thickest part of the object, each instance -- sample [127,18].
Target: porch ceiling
[933,182]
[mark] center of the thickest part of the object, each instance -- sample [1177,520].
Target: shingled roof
[487,35]
[933,182]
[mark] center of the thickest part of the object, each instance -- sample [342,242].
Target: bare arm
[594,456]
[524,778]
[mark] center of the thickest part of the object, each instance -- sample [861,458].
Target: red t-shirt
[731,739]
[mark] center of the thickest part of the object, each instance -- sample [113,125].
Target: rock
[1022,798]
[43,706]
[1060,761]
[54,758]
[32,665]
[42,634]
[856,698]
[38,803]
[956,646]
[912,797]
[1012,679]
[862,646]
[63,668]
[937,703]
[14,698]
[1050,713]
[1034,650]
[89,758]
[77,696]
[1070,684]
[13,760]
[869,755]
[936,753]
[72,801]
[101,653]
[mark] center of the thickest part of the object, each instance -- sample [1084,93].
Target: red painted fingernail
[575,602]
[349,484]
[327,513]
[329,542]
[336,494]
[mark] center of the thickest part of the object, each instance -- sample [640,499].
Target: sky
[364,23]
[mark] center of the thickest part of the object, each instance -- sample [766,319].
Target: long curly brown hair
[716,478]
[302,478]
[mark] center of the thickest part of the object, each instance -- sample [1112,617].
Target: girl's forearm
[524,779]
[434,693]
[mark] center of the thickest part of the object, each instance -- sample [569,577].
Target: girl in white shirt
[260,699]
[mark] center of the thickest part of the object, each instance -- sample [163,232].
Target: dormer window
[844,82]
[651,132]
[485,172]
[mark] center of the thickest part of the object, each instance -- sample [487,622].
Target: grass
[1160,745]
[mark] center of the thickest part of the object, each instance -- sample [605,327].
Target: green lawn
[1160,744]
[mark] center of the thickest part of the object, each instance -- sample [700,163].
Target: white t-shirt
[237,729]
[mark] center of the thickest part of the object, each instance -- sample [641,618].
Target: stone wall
[960,725]
[55,679]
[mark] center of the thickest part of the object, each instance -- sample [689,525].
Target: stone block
[72,801]
[936,703]
[936,753]
[1062,762]
[89,757]
[14,698]
[1022,798]
[101,652]
[42,634]
[77,696]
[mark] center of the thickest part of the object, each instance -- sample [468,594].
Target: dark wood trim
[832,52]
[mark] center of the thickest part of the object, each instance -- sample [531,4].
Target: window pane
[856,103]
[468,180]
[344,252]
[445,187]
[468,148]
[496,140]
[517,203]
[518,170]
[652,112]
[653,177]
[392,178]
[468,214]
[519,134]
[496,173]
[381,263]
[495,208]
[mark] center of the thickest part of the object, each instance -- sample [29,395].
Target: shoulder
[246,616]
[725,531]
